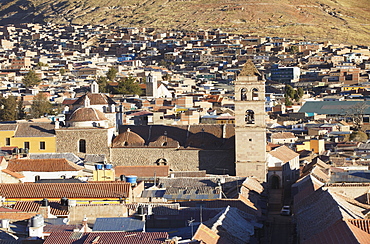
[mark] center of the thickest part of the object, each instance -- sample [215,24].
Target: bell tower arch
[250,126]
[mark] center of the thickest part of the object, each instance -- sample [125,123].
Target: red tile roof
[107,237]
[340,232]
[28,206]
[14,174]
[206,235]
[58,228]
[16,216]
[363,224]
[69,190]
[284,153]
[42,165]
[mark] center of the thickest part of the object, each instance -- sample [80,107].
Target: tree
[166,77]
[358,136]
[289,91]
[300,92]
[293,49]
[111,74]
[20,110]
[31,79]
[128,86]
[288,102]
[40,64]
[289,95]
[8,111]
[62,71]
[40,105]
[356,114]
[103,84]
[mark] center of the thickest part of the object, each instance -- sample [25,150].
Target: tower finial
[249,69]
[94,87]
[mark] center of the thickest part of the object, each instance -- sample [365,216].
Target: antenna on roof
[190,221]
[201,217]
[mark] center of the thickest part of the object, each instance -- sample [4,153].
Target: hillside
[344,21]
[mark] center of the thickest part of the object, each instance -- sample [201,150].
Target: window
[82,146]
[243,95]
[249,117]
[42,145]
[7,141]
[255,94]
[37,178]
[27,144]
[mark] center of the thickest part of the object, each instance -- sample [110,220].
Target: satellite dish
[65,220]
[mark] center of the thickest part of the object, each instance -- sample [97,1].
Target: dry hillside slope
[345,21]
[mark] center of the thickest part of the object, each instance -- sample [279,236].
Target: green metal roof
[332,107]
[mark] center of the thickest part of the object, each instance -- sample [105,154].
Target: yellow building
[352,88]
[104,173]
[36,137]
[314,145]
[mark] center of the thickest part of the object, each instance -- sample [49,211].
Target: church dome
[86,114]
[128,139]
[164,141]
[204,140]
[95,99]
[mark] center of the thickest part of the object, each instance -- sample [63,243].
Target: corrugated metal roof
[332,107]
[118,224]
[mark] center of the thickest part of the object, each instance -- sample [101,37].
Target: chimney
[45,211]
[57,124]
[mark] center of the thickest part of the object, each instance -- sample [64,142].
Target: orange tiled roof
[284,153]
[42,165]
[69,190]
[283,135]
[29,206]
[16,216]
[206,235]
[363,224]
[342,231]
[14,174]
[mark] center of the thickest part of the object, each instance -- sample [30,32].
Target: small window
[7,141]
[250,139]
[27,144]
[82,146]
[37,178]
[42,145]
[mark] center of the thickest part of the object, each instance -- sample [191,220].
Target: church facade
[238,149]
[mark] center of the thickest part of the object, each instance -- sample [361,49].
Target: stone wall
[97,141]
[79,212]
[213,161]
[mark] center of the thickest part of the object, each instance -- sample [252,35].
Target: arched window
[243,94]
[255,94]
[82,146]
[37,178]
[249,116]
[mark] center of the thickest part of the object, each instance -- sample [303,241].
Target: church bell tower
[250,126]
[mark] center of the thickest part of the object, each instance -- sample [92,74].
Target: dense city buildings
[120,135]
